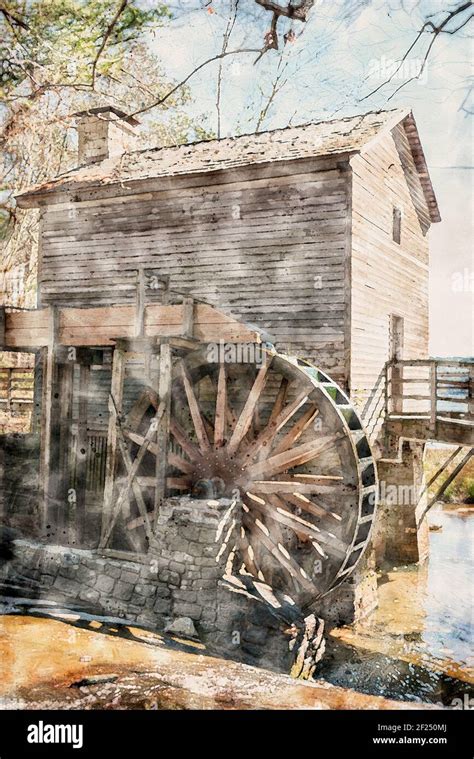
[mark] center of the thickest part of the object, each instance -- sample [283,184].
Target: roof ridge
[268,131]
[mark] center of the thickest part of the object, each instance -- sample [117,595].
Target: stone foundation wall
[183,585]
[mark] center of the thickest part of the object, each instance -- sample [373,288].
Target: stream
[418,644]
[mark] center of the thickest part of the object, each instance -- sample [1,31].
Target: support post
[82,451]
[471,392]
[162,431]
[396,388]
[140,304]
[2,327]
[9,389]
[65,389]
[115,405]
[188,317]
[49,427]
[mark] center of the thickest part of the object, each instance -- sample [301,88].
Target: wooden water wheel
[284,438]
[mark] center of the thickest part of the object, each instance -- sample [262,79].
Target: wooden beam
[162,431]
[433,398]
[273,427]
[49,438]
[245,418]
[281,515]
[286,561]
[182,439]
[322,487]
[82,449]
[297,430]
[221,405]
[440,470]
[103,325]
[140,304]
[115,406]
[294,457]
[447,483]
[147,398]
[2,327]
[280,399]
[196,414]
[188,317]
[123,497]
[132,468]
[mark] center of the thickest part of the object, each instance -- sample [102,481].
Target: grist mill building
[232,342]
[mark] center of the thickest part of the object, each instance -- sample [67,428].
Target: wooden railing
[431,389]
[16,387]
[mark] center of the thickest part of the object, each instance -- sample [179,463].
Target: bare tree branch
[12,18]
[277,84]
[105,38]
[225,43]
[435,30]
[186,79]
[298,11]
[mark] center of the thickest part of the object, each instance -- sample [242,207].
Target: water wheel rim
[194,368]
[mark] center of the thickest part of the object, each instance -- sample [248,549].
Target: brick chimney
[103,133]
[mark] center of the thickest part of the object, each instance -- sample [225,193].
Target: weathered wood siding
[268,244]
[387,278]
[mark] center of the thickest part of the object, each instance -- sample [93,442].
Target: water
[418,644]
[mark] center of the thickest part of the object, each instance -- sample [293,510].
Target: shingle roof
[346,135]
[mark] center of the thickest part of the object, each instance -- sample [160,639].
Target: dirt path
[44,661]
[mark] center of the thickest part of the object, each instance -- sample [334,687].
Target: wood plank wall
[268,245]
[387,278]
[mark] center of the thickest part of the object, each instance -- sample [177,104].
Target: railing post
[433,397]
[471,392]
[397,387]
[9,389]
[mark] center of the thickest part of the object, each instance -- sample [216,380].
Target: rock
[95,680]
[182,626]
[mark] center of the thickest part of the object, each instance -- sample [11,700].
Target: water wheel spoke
[245,418]
[146,399]
[196,416]
[276,510]
[179,483]
[249,556]
[254,430]
[182,439]
[302,502]
[221,407]
[280,399]
[323,535]
[274,426]
[179,463]
[307,488]
[311,478]
[261,534]
[297,430]
[292,458]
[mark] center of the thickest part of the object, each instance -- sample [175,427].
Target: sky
[343,52]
